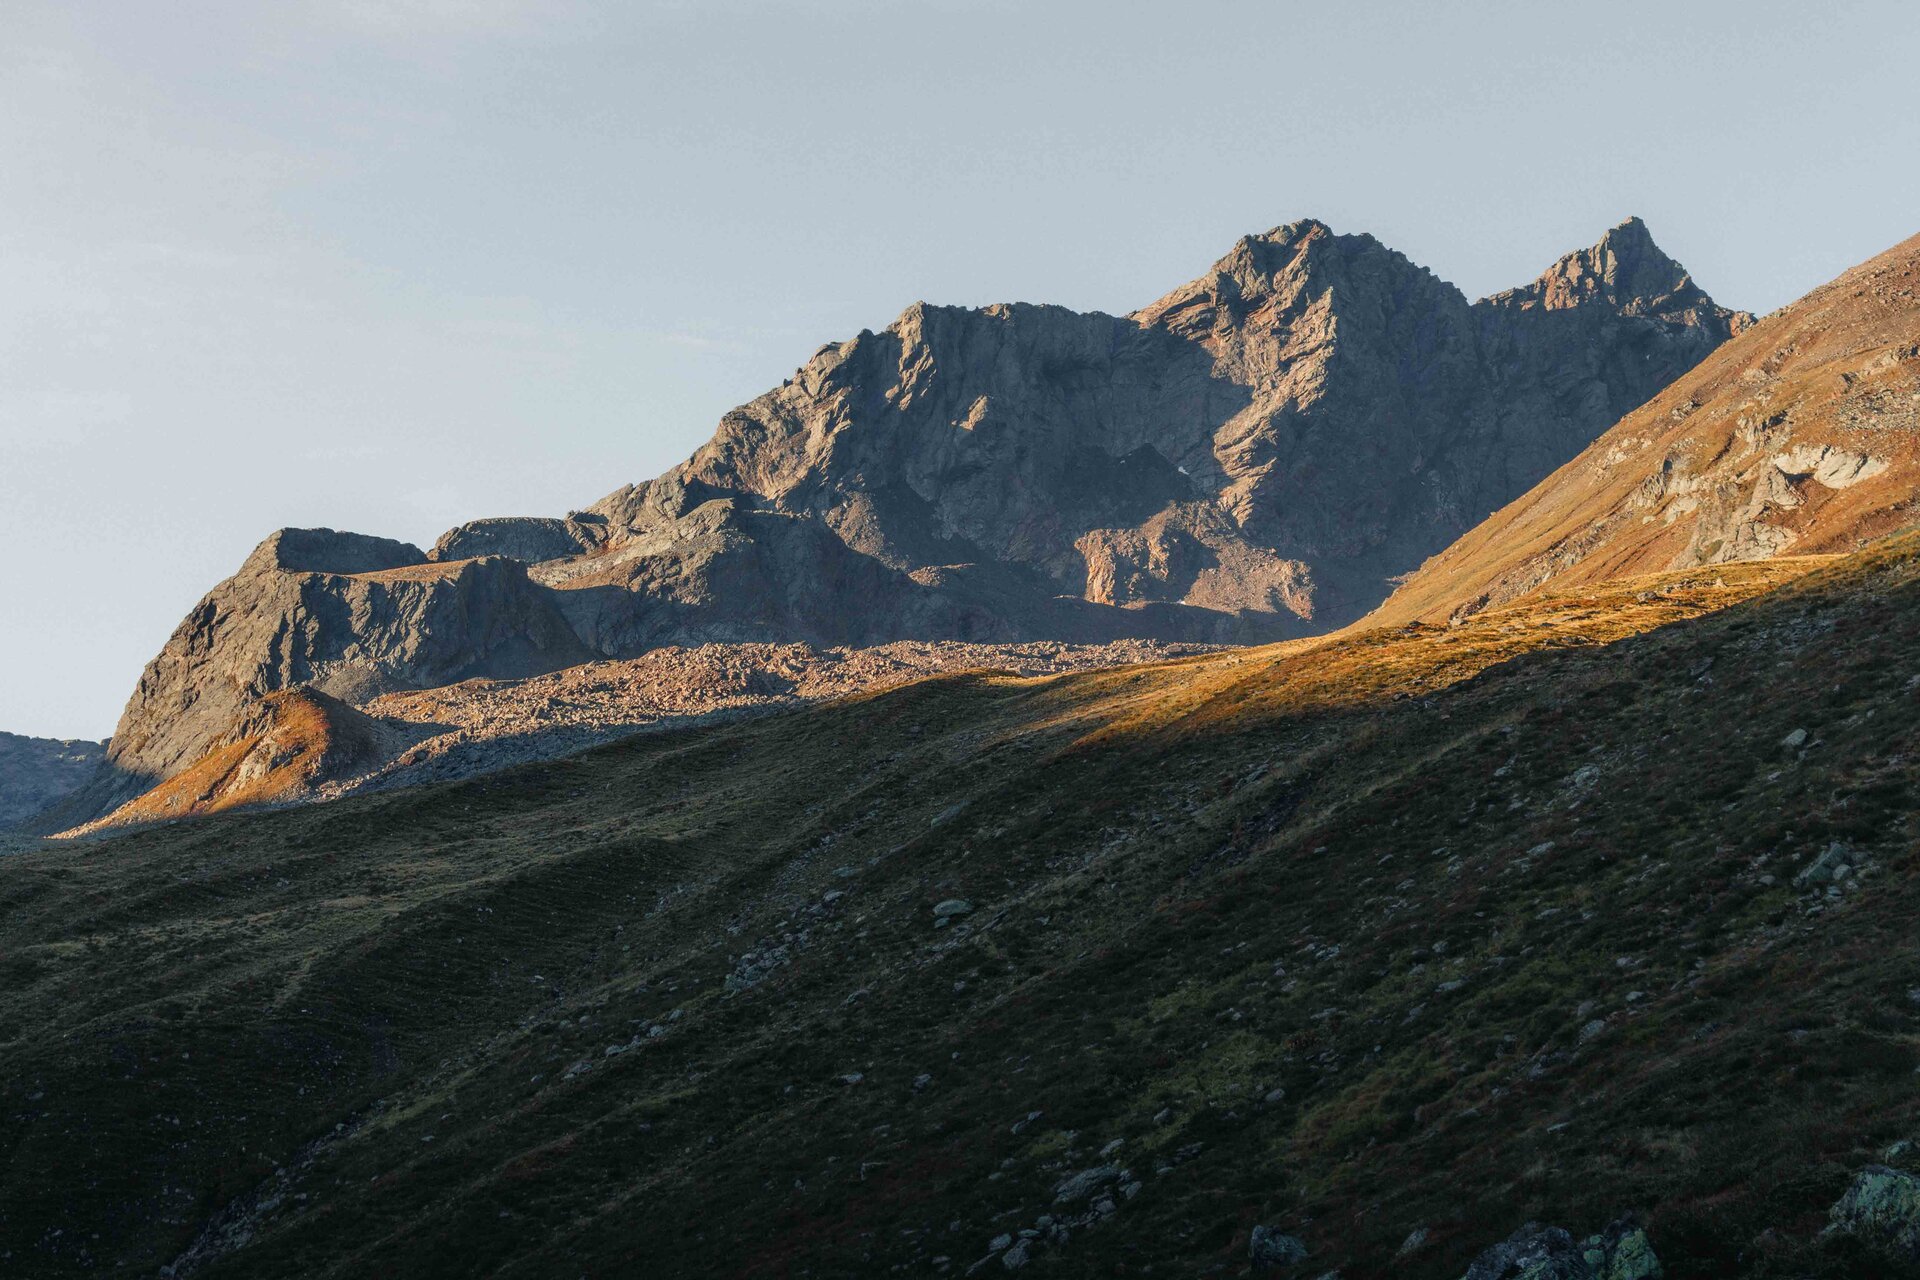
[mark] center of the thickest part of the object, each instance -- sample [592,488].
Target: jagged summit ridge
[1625,271]
[1798,436]
[1253,456]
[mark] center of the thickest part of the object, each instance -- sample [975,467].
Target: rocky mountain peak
[1254,456]
[1281,272]
[1626,272]
[1796,437]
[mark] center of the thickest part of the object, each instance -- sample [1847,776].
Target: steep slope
[1388,944]
[1250,458]
[1801,435]
[283,748]
[35,772]
[1272,439]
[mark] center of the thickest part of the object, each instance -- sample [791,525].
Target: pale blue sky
[390,266]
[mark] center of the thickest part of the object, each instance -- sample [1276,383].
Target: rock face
[1801,435]
[350,616]
[35,772]
[1262,447]
[1251,457]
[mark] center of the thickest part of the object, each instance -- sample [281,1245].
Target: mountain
[1366,951]
[34,772]
[1800,435]
[349,616]
[1251,457]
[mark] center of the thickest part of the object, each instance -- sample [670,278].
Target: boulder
[1271,1247]
[1881,1207]
[1084,1183]
[1834,864]
[1537,1252]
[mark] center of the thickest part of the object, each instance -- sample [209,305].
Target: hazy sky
[393,265]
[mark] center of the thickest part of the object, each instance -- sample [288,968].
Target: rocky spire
[1625,272]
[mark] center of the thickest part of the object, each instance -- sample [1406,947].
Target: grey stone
[1537,1252]
[1084,1183]
[1834,864]
[1271,1247]
[1881,1207]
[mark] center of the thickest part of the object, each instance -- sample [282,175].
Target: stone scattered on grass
[1086,1182]
[1833,865]
[1881,1208]
[1271,1247]
[1537,1252]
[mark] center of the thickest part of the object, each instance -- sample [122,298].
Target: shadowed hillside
[1597,905]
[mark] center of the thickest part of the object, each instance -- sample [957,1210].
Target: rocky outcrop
[348,615]
[1881,1208]
[36,772]
[279,751]
[1536,1252]
[529,538]
[1801,435]
[1252,457]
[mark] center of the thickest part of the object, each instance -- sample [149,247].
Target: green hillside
[1428,930]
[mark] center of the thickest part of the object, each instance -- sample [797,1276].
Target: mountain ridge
[1249,458]
[1802,434]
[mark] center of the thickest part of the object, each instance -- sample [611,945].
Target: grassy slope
[1836,367]
[301,732]
[1196,883]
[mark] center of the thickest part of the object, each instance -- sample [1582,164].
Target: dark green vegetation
[1426,928]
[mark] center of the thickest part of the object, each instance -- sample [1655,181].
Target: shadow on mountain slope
[1441,929]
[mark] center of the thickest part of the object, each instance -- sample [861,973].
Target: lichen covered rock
[1881,1208]
[1537,1252]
